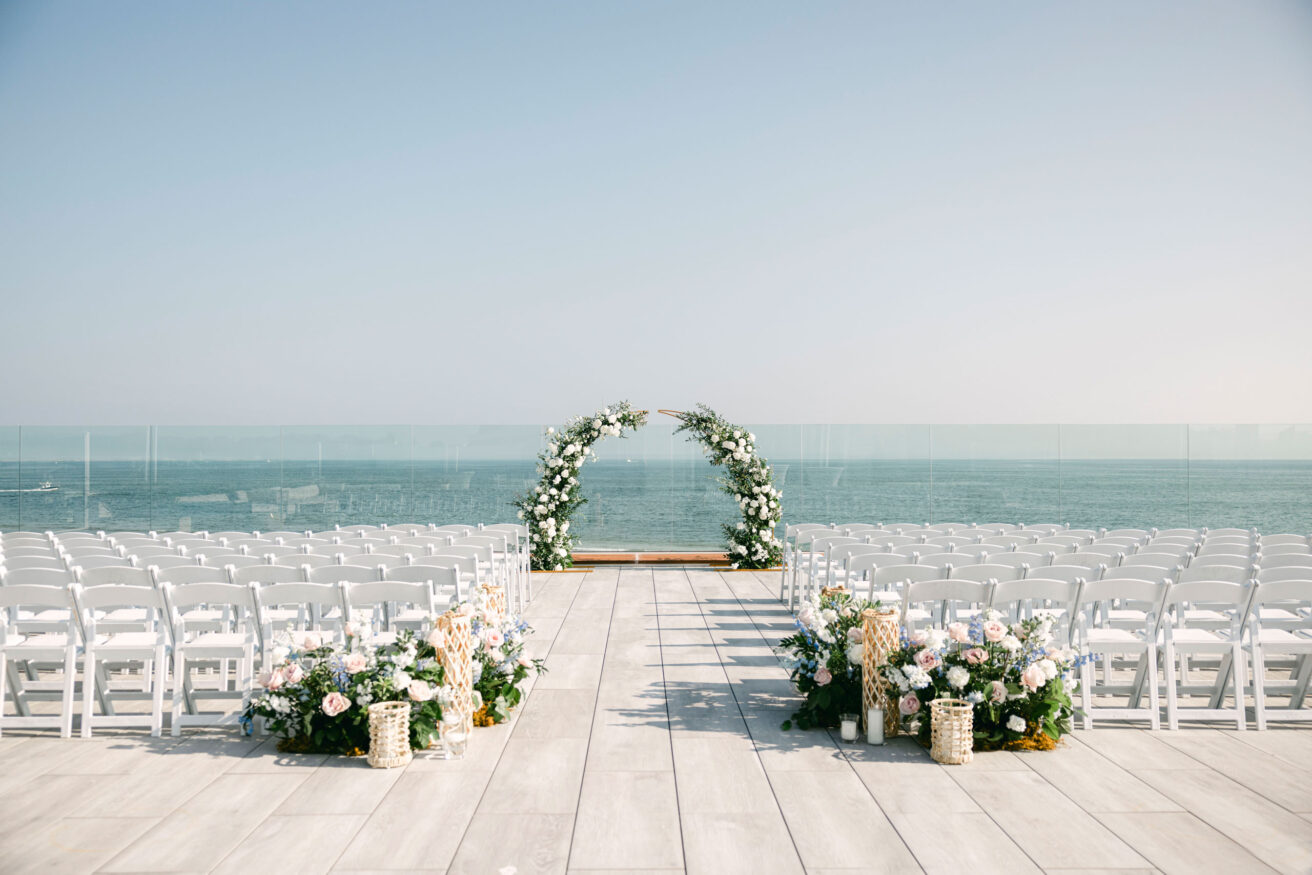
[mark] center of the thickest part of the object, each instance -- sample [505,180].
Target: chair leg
[66,706]
[90,681]
[179,675]
[1154,697]
[4,685]
[1172,697]
[1301,682]
[157,695]
[1086,699]
[1259,687]
[1237,667]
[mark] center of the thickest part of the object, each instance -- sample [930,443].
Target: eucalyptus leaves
[750,480]
[548,508]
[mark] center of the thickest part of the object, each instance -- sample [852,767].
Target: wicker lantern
[951,731]
[494,600]
[880,637]
[827,591]
[389,734]
[457,656]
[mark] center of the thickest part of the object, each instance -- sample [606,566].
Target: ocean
[652,505]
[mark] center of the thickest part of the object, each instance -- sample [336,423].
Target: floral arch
[548,509]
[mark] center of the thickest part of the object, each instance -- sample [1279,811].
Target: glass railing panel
[1251,476]
[11,497]
[216,478]
[472,474]
[850,473]
[1125,476]
[996,473]
[84,478]
[339,475]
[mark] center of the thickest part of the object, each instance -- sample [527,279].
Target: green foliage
[818,661]
[548,509]
[749,479]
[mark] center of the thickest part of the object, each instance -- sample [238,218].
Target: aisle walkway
[653,745]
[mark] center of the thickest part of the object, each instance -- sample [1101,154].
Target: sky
[333,212]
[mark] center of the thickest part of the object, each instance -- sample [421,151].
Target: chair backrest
[32,595]
[220,558]
[1227,573]
[331,550]
[465,564]
[1282,591]
[893,542]
[1276,575]
[1213,593]
[1222,559]
[985,573]
[183,596]
[313,560]
[273,595]
[144,552]
[1068,573]
[1133,534]
[977,552]
[358,530]
[932,557]
[899,574]
[859,563]
[843,552]
[1161,560]
[1114,552]
[481,554]
[60,577]
[86,563]
[254,545]
[265,574]
[100,548]
[947,542]
[387,592]
[949,592]
[88,599]
[166,561]
[1273,540]
[1139,572]
[1284,560]
[1150,592]
[109,575]
[42,562]
[185,575]
[1014,597]
[1009,541]
[1066,543]
[344,574]
[376,560]
[1286,549]
[1020,560]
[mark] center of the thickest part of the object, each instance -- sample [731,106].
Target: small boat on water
[44,486]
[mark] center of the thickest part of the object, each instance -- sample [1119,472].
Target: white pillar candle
[875,726]
[848,728]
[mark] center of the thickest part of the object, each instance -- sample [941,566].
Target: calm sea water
[653,505]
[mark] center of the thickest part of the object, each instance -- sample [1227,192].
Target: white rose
[958,677]
[1010,642]
[1016,723]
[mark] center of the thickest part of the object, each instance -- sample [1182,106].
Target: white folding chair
[1264,641]
[984,573]
[104,652]
[1110,641]
[391,604]
[1183,636]
[62,645]
[235,640]
[444,580]
[948,599]
[1032,596]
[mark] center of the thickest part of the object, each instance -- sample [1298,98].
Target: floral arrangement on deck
[318,692]
[750,480]
[548,508]
[824,657]
[1017,678]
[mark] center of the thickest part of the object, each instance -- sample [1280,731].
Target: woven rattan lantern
[494,601]
[880,638]
[951,731]
[827,591]
[457,656]
[389,734]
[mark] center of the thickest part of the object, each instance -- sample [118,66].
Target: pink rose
[354,663]
[335,703]
[994,631]
[977,656]
[909,704]
[823,676]
[959,632]
[492,639]
[919,637]
[927,659]
[999,692]
[1018,630]
[855,635]
[295,674]
[437,639]
[272,680]
[1033,676]
[311,641]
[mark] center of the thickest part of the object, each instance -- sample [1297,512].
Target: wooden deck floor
[654,745]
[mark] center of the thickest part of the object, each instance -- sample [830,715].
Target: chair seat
[1190,636]
[44,644]
[1283,640]
[127,642]
[218,644]
[1111,637]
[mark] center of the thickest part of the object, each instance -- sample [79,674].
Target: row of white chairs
[1243,623]
[500,550]
[151,618]
[815,555]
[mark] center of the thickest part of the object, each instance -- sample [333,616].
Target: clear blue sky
[831,212]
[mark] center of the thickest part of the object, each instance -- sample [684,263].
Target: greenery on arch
[749,479]
[547,510]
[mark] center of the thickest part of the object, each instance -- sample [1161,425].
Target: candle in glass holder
[847,727]
[875,726]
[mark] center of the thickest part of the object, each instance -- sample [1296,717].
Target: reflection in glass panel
[1124,476]
[216,478]
[472,473]
[56,478]
[339,475]
[996,473]
[10,496]
[1251,476]
[850,473]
